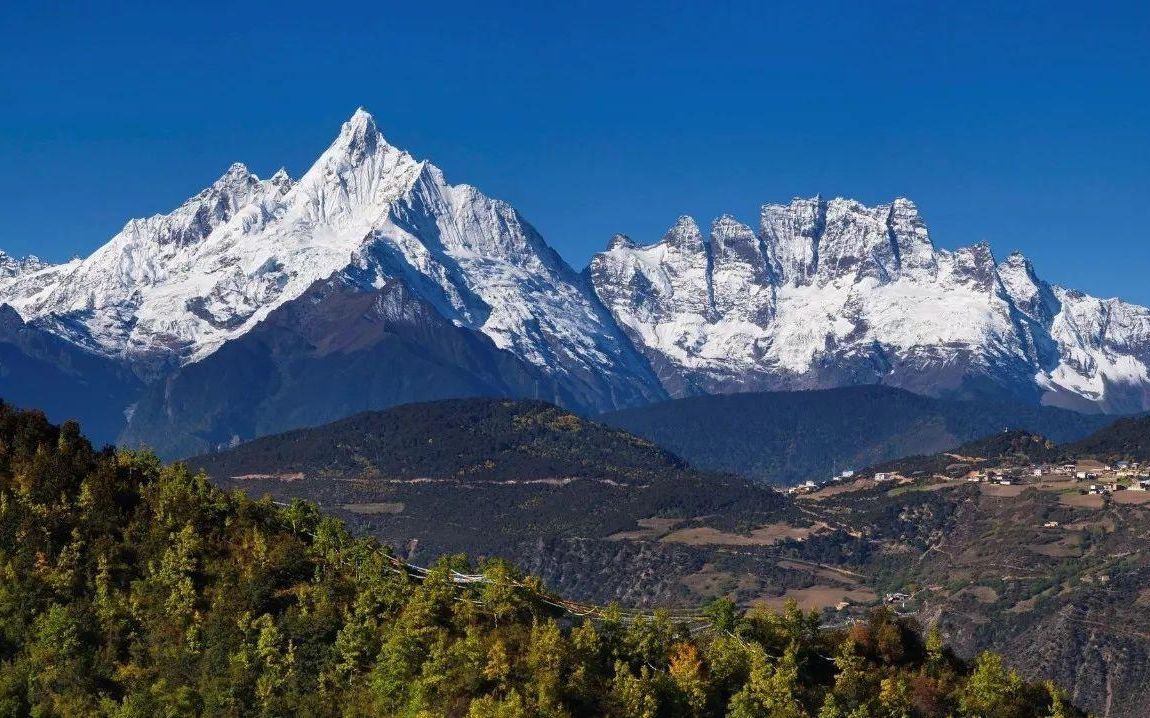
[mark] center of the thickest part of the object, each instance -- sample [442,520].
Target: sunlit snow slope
[172,289]
[831,293]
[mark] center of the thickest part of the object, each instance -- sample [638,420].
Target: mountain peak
[282,181]
[1017,273]
[726,231]
[237,179]
[982,247]
[620,241]
[817,201]
[1017,260]
[360,133]
[684,234]
[361,117]
[15,266]
[236,175]
[726,224]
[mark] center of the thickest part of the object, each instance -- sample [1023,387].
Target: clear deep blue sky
[1026,126]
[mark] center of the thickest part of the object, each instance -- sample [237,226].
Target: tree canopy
[131,588]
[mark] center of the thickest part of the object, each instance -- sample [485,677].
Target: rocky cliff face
[828,293]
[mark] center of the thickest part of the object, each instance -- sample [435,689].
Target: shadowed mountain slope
[787,437]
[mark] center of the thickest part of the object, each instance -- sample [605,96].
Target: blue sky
[1027,126]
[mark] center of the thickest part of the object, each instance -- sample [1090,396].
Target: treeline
[129,588]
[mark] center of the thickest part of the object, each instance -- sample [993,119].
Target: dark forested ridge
[135,589]
[467,439]
[1018,448]
[1127,438]
[496,477]
[786,437]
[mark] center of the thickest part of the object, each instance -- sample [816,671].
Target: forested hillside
[1017,448]
[1127,438]
[135,589]
[466,439]
[787,437]
[521,480]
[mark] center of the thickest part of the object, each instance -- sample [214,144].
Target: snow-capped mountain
[827,293]
[12,267]
[172,289]
[263,304]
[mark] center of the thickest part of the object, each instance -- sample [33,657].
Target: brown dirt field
[1002,492]
[1131,497]
[825,573]
[1023,606]
[1090,465]
[1084,501]
[1144,597]
[651,529]
[982,594]
[659,524]
[1030,603]
[762,536]
[708,581]
[1107,524]
[1054,484]
[1058,549]
[818,597]
[913,486]
[965,459]
[837,489]
[384,507]
[298,476]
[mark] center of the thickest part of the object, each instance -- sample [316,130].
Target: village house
[804,488]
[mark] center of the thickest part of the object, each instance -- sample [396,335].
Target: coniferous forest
[131,588]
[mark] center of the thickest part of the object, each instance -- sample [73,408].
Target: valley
[139,588]
[1004,561]
[574,360]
